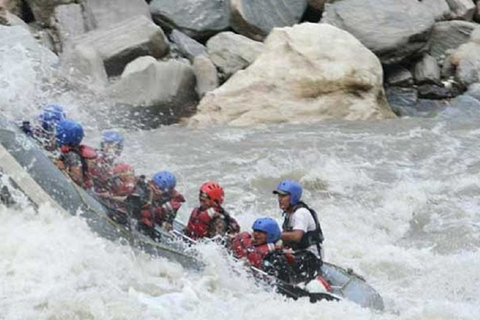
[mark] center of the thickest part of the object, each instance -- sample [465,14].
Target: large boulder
[466,61]
[69,22]
[255,19]
[123,42]
[393,29]
[206,75]
[449,35]
[427,70]
[196,18]
[439,8]
[186,46]
[162,89]
[231,52]
[43,9]
[308,73]
[104,13]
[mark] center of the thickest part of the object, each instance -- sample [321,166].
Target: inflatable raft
[31,171]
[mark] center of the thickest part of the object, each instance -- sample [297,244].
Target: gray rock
[231,52]
[462,9]
[392,29]
[466,60]
[439,8]
[206,75]
[43,9]
[430,108]
[427,70]
[196,18]
[399,96]
[125,41]
[449,35]
[475,35]
[474,91]
[69,22]
[162,89]
[86,64]
[317,4]
[398,75]
[436,92]
[104,13]
[255,19]
[187,46]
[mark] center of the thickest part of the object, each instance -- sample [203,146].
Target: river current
[398,201]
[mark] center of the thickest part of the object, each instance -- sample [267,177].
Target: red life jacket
[199,222]
[242,247]
[100,172]
[87,155]
[162,208]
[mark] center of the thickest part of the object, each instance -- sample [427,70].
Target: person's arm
[299,226]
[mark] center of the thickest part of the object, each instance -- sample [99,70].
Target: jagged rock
[163,89]
[439,8]
[449,35]
[398,75]
[307,73]
[231,52]
[85,63]
[436,92]
[255,19]
[123,42]
[462,9]
[427,70]
[43,9]
[206,75]
[187,46]
[466,60]
[392,29]
[196,18]
[104,13]
[402,100]
[69,22]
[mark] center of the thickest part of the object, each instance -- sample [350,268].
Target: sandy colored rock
[308,73]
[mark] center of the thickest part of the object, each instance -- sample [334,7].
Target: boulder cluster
[244,62]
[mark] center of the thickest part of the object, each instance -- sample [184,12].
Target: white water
[398,202]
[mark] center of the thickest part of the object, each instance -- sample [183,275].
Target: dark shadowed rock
[436,92]
[401,98]
[43,9]
[430,108]
[255,19]
[188,47]
[165,89]
[104,13]
[462,9]
[69,22]
[392,29]
[231,52]
[427,70]
[449,35]
[125,41]
[196,18]
[397,75]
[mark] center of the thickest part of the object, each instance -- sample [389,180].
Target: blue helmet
[50,116]
[293,188]
[164,180]
[69,132]
[113,138]
[269,226]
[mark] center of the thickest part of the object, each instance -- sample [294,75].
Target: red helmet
[122,169]
[213,191]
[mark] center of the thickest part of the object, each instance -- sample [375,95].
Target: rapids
[398,202]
